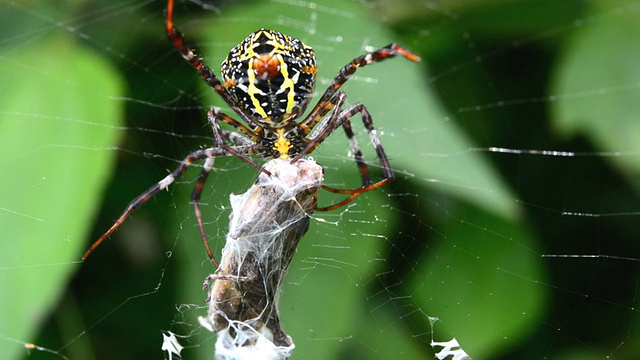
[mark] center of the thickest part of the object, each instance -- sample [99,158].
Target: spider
[268,80]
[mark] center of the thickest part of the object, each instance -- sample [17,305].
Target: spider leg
[159,186]
[192,57]
[219,136]
[342,118]
[195,201]
[326,126]
[235,138]
[215,114]
[320,110]
[329,125]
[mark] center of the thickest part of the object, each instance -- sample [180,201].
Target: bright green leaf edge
[58,124]
[596,84]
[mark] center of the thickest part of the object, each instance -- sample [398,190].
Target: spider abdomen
[271,77]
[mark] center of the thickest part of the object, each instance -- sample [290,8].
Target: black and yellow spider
[268,80]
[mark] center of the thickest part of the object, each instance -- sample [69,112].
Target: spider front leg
[367,184]
[159,186]
[219,137]
[192,57]
[387,52]
[195,202]
[342,118]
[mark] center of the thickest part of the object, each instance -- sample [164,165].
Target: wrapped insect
[267,223]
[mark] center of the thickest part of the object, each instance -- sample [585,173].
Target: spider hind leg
[343,118]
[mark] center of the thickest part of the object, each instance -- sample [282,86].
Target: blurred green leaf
[57,124]
[482,281]
[326,290]
[601,61]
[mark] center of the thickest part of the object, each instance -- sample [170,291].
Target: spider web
[509,232]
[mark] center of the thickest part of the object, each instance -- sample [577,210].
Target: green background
[97,105]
